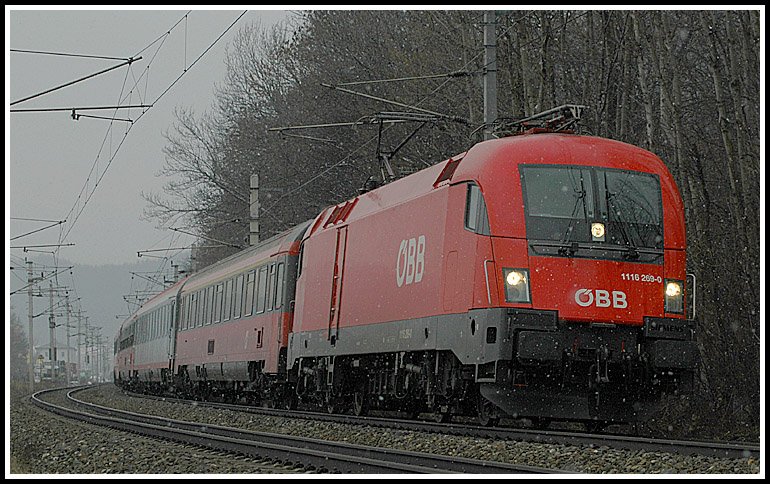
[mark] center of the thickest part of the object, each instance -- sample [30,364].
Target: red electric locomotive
[540,275]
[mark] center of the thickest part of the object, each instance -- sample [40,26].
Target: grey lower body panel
[476,337]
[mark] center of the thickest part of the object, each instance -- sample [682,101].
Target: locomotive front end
[589,254]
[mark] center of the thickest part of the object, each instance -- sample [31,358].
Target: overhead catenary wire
[81,108]
[366,143]
[128,62]
[66,54]
[413,78]
[33,219]
[117,150]
[39,230]
[78,116]
[88,177]
[376,98]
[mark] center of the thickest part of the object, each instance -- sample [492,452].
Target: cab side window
[476,219]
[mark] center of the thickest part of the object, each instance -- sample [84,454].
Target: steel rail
[312,453]
[733,450]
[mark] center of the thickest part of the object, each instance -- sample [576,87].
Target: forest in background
[682,84]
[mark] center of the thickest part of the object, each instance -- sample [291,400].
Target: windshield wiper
[631,252]
[569,248]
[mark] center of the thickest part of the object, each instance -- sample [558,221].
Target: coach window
[248,301]
[218,304]
[476,219]
[208,318]
[238,305]
[183,314]
[202,306]
[270,288]
[172,316]
[188,313]
[261,289]
[182,304]
[228,301]
[279,287]
[193,314]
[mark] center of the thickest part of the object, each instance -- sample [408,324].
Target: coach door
[339,270]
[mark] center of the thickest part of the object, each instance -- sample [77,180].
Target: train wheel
[332,403]
[596,426]
[487,412]
[287,398]
[360,402]
[442,417]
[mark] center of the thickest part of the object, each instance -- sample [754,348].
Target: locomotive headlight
[514,278]
[674,296]
[516,285]
[673,289]
[597,231]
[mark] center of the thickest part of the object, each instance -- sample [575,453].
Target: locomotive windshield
[564,203]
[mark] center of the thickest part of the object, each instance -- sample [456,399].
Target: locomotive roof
[559,148]
[489,162]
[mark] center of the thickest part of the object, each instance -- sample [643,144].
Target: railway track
[685,447]
[312,454]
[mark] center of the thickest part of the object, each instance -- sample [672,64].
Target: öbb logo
[585,297]
[410,263]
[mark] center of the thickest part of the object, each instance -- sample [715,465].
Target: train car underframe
[527,363]
[595,373]
[518,363]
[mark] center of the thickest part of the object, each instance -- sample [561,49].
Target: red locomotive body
[479,280]
[539,276]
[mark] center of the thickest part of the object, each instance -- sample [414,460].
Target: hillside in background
[100,289]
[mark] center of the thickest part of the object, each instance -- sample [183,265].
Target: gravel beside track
[75,448]
[43,443]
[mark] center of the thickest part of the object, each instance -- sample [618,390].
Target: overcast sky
[53,161]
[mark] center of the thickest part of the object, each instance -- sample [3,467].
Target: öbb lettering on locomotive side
[515,294]
[410,263]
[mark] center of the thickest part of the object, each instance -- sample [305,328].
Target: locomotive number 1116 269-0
[628,276]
